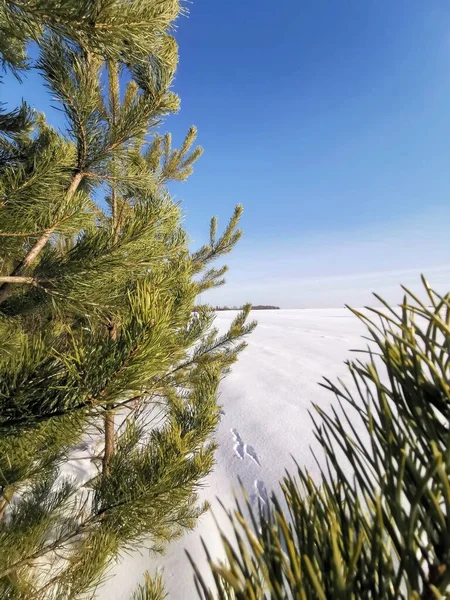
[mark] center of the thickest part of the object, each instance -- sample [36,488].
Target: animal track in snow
[250,451]
[260,497]
[242,449]
[260,493]
[239,445]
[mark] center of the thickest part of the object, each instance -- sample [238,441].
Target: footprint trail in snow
[242,449]
[260,493]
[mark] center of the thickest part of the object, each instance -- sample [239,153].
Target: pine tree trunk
[114,102]
[109,441]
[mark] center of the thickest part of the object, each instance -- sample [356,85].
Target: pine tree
[98,330]
[377,524]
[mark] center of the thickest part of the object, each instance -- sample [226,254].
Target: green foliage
[152,589]
[377,524]
[101,338]
[128,29]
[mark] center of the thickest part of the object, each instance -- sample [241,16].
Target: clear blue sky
[329,120]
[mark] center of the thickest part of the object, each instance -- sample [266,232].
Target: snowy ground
[265,404]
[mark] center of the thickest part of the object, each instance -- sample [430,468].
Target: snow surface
[265,422]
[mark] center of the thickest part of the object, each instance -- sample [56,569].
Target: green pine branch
[99,326]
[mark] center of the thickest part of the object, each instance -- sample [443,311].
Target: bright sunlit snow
[265,420]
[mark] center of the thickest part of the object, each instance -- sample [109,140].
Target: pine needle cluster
[98,333]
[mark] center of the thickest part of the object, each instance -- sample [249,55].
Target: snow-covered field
[265,420]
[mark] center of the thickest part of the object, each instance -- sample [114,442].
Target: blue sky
[330,122]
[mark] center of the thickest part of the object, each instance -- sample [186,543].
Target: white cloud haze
[345,268]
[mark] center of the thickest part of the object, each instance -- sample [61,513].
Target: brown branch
[22,233]
[109,441]
[115,224]
[62,412]
[89,402]
[6,288]
[22,279]
[109,421]
[114,103]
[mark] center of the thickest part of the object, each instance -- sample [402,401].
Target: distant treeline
[254,307]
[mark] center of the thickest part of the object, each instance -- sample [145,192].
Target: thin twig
[22,233]
[12,279]
[6,288]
